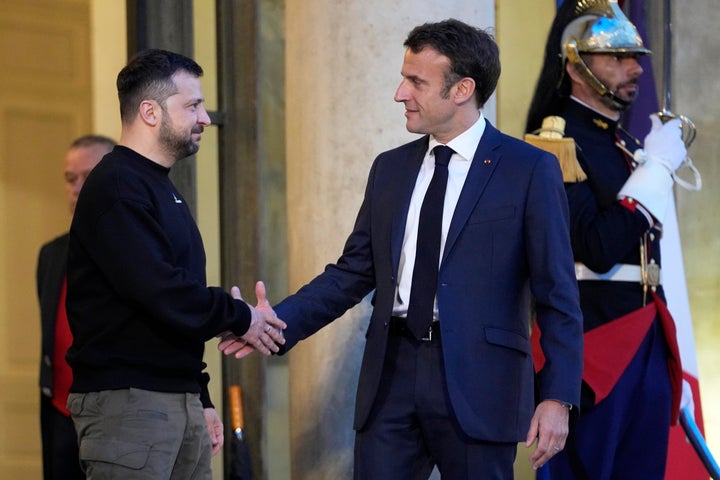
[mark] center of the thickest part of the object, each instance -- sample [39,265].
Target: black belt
[398,327]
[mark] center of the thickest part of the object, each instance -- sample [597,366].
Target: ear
[150,112]
[464,90]
[572,73]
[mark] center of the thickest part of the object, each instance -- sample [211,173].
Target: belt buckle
[429,336]
[652,274]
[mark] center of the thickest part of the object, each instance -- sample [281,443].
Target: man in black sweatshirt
[138,304]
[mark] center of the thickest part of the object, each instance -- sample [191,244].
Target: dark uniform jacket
[603,232]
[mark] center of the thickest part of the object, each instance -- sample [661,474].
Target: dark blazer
[508,242]
[51,268]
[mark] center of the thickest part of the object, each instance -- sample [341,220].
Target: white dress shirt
[464,146]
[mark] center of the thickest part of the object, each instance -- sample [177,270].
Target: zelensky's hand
[232,344]
[215,429]
[236,294]
[265,331]
[549,426]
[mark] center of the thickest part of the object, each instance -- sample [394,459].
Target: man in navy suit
[459,394]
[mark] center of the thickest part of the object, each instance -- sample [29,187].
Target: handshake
[263,335]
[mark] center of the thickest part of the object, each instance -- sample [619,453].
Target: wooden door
[45,102]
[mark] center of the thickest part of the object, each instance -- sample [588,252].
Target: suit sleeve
[341,286]
[553,284]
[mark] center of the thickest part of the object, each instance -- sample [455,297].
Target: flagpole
[698,442]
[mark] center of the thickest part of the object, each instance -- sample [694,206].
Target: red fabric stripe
[674,363]
[608,350]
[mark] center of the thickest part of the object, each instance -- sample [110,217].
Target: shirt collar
[467,142]
[617,117]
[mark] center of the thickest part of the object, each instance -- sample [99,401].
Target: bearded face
[183,117]
[179,141]
[619,72]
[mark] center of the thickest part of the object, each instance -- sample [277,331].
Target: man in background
[59,440]
[618,191]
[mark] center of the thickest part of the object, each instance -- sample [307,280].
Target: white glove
[651,182]
[663,144]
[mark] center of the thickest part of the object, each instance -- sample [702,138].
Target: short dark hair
[148,75]
[90,140]
[472,53]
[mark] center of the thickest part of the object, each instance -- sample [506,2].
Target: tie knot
[442,155]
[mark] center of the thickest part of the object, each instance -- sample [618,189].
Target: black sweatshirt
[138,304]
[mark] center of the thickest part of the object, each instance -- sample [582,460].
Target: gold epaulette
[550,138]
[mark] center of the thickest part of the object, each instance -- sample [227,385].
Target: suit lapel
[487,157]
[407,172]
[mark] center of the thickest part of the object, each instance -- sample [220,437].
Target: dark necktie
[427,255]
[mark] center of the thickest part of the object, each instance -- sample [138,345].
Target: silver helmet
[601,27]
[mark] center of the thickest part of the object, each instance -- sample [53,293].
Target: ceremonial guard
[618,191]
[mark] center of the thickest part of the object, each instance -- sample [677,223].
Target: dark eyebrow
[414,78]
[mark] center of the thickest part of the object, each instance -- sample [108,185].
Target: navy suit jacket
[507,253]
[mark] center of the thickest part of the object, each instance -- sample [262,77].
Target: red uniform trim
[62,373]
[608,350]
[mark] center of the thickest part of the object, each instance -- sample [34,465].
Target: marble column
[343,61]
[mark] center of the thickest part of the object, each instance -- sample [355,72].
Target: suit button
[47,392]
[47,361]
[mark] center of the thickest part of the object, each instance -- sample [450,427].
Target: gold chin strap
[573,56]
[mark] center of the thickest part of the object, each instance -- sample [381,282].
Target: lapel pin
[487,161]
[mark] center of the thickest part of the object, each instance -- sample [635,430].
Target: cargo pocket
[116,452]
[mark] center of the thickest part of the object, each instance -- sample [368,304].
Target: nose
[77,186]
[635,68]
[203,117]
[401,94]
